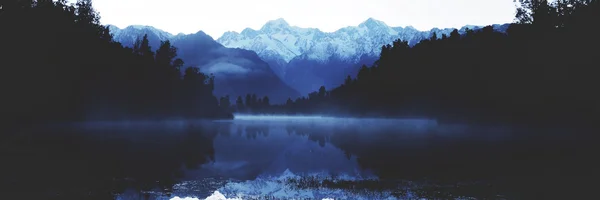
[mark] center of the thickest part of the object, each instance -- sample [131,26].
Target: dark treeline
[59,63]
[543,69]
[250,104]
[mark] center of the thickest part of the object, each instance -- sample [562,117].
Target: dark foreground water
[296,158]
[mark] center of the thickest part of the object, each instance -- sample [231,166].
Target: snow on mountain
[130,34]
[277,39]
[279,187]
[289,185]
[131,31]
[307,58]
[303,58]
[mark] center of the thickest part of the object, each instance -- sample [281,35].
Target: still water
[278,157]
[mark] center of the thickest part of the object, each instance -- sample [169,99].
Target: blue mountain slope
[237,71]
[306,58]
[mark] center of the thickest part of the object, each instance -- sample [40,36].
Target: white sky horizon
[215,17]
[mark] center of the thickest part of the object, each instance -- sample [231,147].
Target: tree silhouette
[253,101]
[239,104]
[165,53]
[142,47]
[80,73]
[249,103]
[265,101]
[224,103]
[59,64]
[539,71]
[322,92]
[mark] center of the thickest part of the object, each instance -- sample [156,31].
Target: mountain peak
[229,35]
[410,27]
[274,25]
[372,23]
[202,33]
[370,19]
[278,21]
[134,31]
[248,32]
[140,27]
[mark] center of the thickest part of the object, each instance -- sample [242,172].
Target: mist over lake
[295,157]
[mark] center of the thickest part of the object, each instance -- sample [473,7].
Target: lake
[285,157]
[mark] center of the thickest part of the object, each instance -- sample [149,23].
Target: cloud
[228,68]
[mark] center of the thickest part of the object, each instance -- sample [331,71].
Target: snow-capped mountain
[278,38]
[302,57]
[237,71]
[130,34]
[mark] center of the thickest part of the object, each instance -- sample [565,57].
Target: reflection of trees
[224,128]
[505,167]
[393,155]
[314,132]
[80,164]
[403,154]
[239,131]
[253,130]
[390,153]
[289,129]
[198,147]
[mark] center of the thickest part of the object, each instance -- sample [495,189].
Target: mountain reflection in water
[308,157]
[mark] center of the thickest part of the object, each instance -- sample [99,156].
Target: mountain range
[237,71]
[303,58]
[307,58]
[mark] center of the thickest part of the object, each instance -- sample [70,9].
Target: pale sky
[215,17]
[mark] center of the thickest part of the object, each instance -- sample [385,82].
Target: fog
[335,120]
[258,151]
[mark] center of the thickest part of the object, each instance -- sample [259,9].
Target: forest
[543,70]
[58,63]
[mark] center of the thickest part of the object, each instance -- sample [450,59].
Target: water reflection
[292,158]
[103,159]
[444,160]
[263,149]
